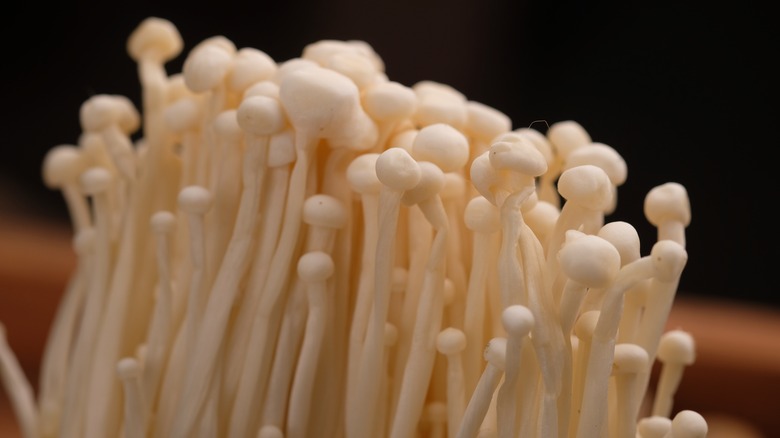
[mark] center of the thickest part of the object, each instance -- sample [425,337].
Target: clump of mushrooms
[306,248]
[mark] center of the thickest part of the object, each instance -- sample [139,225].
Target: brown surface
[735,379]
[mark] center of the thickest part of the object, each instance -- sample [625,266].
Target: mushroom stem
[18,388]
[481,398]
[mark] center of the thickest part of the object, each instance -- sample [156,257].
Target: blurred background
[681,91]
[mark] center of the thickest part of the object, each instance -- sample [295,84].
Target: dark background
[681,91]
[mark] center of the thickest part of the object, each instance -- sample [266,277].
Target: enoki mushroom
[306,248]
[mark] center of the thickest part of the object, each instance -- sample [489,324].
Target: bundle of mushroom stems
[309,249]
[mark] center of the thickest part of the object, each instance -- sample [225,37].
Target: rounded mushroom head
[603,156]
[439,103]
[566,136]
[129,119]
[442,145]
[261,115]
[355,66]
[485,122]
[182,115]
[668,202]
[677,346]
[206,68]
[624,237]
[62,164]
[226,126]
[195,200]
[689,424]
[281,149]
[669,259]
[128,368]
[430,184]
[587,186]
[156,40]
[326,211]
[361,174]
[482,216]
[495,352]
[450,341]
[315,266]
[389,101]
[162,222]
[654,427]
[397,170]
[101,111]
[517,320]
[518,155]
[539,140]
[269,431]
[250,66]
[586,324]
[630,359]
[589,260]
[96,180]
[262,88]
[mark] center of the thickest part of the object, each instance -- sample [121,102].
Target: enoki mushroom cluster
[309,249]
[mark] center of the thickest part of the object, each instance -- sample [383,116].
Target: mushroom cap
[440,107]
[195,200]
[669,259]
[428,88]
[315,266]
[566,136]
[389,101]
[455,187]
[482,216]
[630,359]
[128,368]
[495,352]
[270,431]
[654,427]
[162,222]
[518,155]
[281,149]
[326,211]
[587,186]
[603,156]
[668,202]
[450,341]
[442,145]
[430,184]
[261,115]
[396,169]
[589,260]
[517,320]
[62,164]
[226,126]
[355,66]
[155,39]
[586,324]
[689,424]
[129,118]
[96,180]
[485,122]
[250,66]
[361,174]
[391,334]
[84,240]
[103,110]
[183,114]
[205,68]
[677,346]
[624,237]
[262,88]
[539,140]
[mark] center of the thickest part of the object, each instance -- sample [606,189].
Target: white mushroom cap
[206,67]
[439,103]
[481,216]
[587,186]
[539,140]
[96,180]
[128,368]
[668,202]
[589,260]
[495,352]
[103,110]
[162,222]
[270,431]
[355,66]
[260,115]
[62,164]
[669,259]
[226,126]
[566,136]
[442,145]
[250,66]
[428,88]
[281,149]
[624,237]
[603,156]
[654,427]
[430,184]
[630,359]
[517,320]
[455,187]
[324,211]
[263,88]
[361,174]
[689,424]
[182,115]
[403,139]
[195,200]
[315,266]
[541,219]
[518,156]
[450,341]
[677,346]
[586,324]
[155,39]
[389,101]
[291,65]
[397,169]
[485,122]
